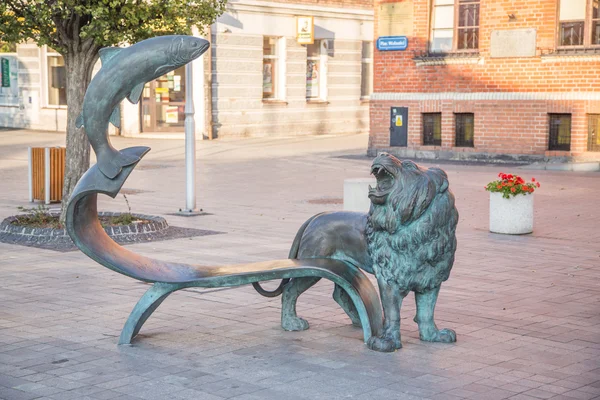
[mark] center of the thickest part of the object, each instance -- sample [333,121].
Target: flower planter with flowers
[511,204]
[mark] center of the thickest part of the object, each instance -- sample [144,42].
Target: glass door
[163,103]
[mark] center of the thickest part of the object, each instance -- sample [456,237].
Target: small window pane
[443,2]
[269,46]
[57,81]
[465,130]
[596,9]
[269,67]
[312,50]
[594,132]
[444,17]
[442,40]
[468,39]
[366,79]
[560,132]
[432,129]
[572,10]
[468,15]
[571,33]
[596,32]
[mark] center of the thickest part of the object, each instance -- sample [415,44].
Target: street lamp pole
[190,145]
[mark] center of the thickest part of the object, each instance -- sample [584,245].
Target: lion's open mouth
[385,183]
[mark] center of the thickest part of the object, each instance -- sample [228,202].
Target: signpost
[392,43]
[5,72]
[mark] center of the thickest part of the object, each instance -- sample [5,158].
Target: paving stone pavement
[526,308]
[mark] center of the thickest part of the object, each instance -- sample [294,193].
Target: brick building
[488,79]
[260,78]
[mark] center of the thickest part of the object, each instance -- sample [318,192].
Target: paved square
[526,308]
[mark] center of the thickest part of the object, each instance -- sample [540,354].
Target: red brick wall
[501,126]
[395,71]
[509,127]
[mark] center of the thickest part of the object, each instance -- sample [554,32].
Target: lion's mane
[412,236]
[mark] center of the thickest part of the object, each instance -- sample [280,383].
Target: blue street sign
[392,43]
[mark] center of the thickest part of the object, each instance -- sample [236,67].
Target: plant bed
[42,229]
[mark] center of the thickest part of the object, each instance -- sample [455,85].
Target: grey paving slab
[526,308]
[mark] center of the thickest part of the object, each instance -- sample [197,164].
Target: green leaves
[64,24]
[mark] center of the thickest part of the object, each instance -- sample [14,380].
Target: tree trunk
[79,68]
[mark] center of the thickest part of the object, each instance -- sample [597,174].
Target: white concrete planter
[513,216]
[356,194]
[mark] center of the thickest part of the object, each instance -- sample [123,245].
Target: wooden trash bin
[46,173]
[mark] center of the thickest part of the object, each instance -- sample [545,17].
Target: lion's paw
[383,344]
[442,336]
[294,324]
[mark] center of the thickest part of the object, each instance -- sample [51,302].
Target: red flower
[500,174]
[499,187]
[509,176]
[513,189]
[532,179]
[538,184]
[520,180]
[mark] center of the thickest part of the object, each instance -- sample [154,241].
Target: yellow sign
[162,90]
[398,120]
[305,30]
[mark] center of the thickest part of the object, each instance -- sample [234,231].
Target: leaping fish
[124,73]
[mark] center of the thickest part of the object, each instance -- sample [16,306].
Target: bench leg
[289,319]
[343,299]
[144,308]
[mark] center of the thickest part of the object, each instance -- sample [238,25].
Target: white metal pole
[190,143]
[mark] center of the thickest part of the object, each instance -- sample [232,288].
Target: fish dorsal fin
[79,121]
[115,117]
[107,53]
[136,93]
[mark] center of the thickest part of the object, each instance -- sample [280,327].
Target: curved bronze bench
[167,277]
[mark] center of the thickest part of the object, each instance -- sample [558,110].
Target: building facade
[276,68]
[483,79]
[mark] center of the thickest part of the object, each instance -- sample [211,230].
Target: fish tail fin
[112,164]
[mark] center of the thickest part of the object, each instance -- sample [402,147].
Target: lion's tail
[293,254]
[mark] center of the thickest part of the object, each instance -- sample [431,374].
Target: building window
[560,132]
[465,129]
[454,26]
[593,132]
[366,72]
[579,23]
[270,67]
[57,79]
[432,129]
[316,70]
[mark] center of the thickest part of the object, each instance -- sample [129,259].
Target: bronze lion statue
[407,240]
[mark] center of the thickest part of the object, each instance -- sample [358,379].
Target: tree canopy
[65,25]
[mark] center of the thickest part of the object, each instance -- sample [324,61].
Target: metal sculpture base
[167,277]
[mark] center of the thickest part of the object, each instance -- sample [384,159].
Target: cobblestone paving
[526,308]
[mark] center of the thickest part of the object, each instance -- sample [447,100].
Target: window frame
[363,61]
[322,70]
[587,28]
[455,29]
[45,54]
[463,144]
[559,147]
[275,65]
[423,136]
